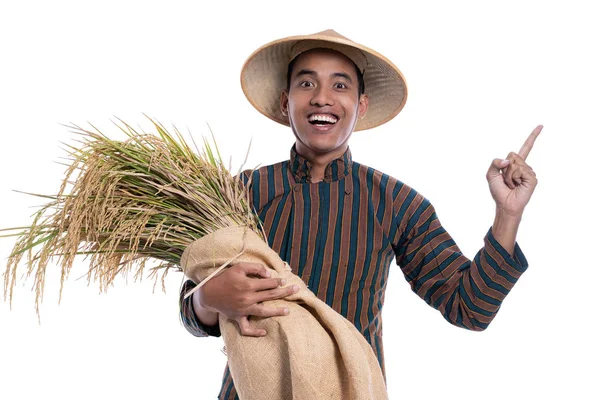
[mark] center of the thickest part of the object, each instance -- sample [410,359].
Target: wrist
[197,301]
[505,227]
[205,314]
[507,217]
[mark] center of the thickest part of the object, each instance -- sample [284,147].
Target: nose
[322,97]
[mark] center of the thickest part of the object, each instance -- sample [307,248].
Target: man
[338,223]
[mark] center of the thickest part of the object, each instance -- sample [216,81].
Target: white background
[481,76]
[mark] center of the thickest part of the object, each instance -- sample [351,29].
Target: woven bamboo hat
[264,76]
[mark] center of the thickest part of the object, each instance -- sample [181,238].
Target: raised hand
[238,292]
[511,180]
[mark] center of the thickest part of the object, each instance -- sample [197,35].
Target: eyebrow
[314,73]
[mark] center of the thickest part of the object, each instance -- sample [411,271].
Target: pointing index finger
[528,145]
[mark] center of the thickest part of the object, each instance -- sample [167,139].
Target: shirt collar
[336,170]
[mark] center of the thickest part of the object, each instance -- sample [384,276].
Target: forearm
[505,229]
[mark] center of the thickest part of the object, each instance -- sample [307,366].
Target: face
[323,103]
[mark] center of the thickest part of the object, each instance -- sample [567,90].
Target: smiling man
[339,224]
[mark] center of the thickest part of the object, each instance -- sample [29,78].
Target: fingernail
[263,333]
[286,311]
[282,282]
[296,288]
[268,274]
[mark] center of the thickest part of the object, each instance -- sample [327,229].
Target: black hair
[359,74]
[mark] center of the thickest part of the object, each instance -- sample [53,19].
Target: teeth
[322,118]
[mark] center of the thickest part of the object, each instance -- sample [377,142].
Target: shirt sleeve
[188,316]
[467,293]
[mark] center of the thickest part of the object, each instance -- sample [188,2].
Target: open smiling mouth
[322,120]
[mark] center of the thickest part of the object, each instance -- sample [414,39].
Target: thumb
[496,167]
[247,329]
[255,269]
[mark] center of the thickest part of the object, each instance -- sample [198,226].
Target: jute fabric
[312,353]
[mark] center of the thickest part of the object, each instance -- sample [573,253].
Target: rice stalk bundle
[152,197]
[124,203]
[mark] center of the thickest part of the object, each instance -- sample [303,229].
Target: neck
[319,161]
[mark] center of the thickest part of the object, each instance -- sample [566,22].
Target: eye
[340,85]
[306,84]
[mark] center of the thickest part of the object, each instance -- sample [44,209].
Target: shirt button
[347,191]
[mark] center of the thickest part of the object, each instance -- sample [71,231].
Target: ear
[283,103]
[363,105]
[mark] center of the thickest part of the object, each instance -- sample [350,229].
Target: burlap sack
[312,353]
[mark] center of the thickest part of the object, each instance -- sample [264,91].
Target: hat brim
[264,77]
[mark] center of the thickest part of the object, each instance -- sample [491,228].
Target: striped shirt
[340,236]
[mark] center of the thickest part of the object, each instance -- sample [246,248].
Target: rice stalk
[124,203]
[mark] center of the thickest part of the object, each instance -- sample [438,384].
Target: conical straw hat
[264,76]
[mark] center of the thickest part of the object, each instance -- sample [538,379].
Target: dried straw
[123,203]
